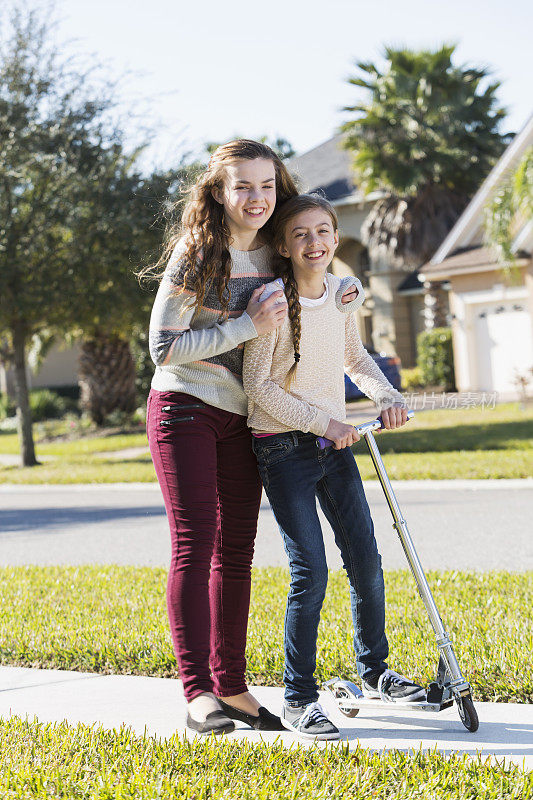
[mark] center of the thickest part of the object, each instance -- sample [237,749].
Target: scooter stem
[458,682]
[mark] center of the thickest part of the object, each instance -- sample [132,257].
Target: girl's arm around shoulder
[292,412]
[363,370]
[173,342]
[349,293]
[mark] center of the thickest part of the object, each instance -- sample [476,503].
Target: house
[57,371]
[491,314]
[393,313]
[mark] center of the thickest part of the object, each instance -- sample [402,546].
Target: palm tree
[427,137]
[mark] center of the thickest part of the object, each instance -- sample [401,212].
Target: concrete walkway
[157,705]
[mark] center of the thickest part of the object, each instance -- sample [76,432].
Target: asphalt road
[479,525]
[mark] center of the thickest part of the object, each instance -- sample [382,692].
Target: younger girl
[294,378]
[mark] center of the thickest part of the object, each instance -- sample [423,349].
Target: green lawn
[87,763]
[462,443]
[113,620]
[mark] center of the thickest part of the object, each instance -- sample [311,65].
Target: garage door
[504,344]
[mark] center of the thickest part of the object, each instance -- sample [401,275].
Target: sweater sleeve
[345,284]
[173,342]
[363,370]
[289,410]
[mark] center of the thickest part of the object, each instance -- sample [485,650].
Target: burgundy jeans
[211,487]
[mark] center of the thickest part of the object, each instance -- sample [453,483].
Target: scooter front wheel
[468,713]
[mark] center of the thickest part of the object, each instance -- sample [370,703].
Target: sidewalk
[157,706]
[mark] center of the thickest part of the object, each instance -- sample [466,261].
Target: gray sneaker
[309,721]
[390,687]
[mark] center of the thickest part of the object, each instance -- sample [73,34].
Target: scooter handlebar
[362,429]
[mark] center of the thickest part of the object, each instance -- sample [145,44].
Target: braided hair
[294,309]
[283,267]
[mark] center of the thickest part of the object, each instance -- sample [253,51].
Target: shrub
[7,406]
[411,378]
[119,419]
[46,404]
[435,358]
[144,366]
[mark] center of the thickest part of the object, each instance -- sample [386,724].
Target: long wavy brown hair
[283,266]
[203,232]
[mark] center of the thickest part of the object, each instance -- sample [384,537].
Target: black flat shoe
[216,722]
[265,721]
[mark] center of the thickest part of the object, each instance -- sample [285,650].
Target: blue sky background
[205,70]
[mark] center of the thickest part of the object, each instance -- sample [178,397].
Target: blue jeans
[295,472]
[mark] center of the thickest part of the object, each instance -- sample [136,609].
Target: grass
[96,443]
[113,620]
[82,470]
[88,763]
[460,443]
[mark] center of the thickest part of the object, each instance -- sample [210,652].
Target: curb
[437,485]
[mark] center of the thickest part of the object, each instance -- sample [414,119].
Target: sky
[204,70]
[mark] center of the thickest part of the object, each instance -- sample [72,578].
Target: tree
[281,146]
[52,135]
[427,137]
[512,203]
[73,217]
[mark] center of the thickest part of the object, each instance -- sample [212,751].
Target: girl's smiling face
[310,242]
[248,194]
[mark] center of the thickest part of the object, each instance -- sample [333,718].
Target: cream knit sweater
[330,344]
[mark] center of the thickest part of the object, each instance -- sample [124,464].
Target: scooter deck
[417,705]
[349,697]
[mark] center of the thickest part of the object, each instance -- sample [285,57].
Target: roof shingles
[325,168]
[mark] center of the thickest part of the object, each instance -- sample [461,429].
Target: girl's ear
[336,239]
[282,250]
[216,193]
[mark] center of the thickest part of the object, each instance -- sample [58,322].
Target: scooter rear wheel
[468,713]
[342,692]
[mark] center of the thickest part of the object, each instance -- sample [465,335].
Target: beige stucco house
[491,315]
[58,370]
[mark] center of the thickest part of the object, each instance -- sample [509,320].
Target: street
[478,525]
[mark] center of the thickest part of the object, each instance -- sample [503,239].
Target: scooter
[449,685]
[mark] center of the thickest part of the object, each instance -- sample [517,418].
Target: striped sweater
[203,357]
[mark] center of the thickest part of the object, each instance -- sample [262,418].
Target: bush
[411,379]
[7,406]
[119,419]
[435,358]
[144,366]
[45,404]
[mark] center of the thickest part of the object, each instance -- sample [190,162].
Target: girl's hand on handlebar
[341,434]
[268,315]
[394,417]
